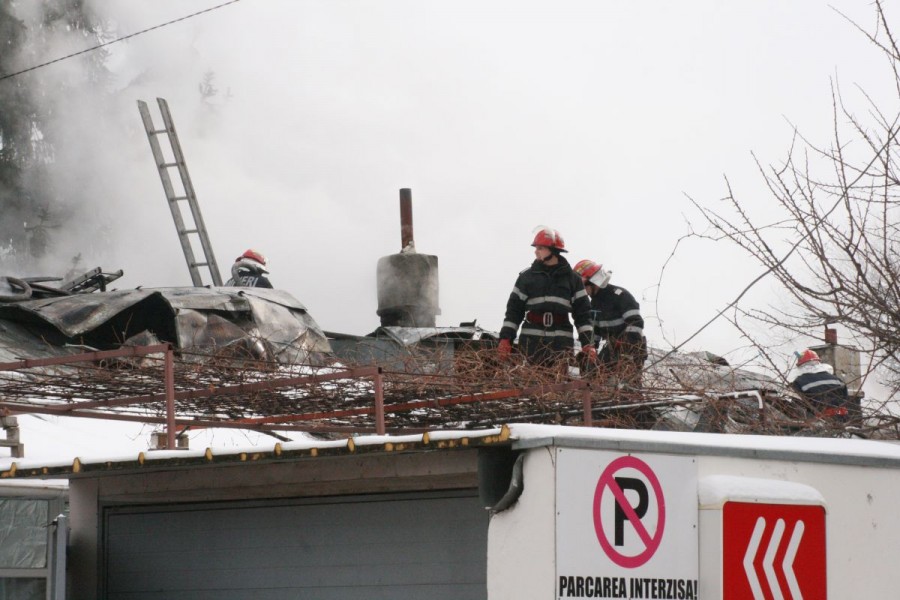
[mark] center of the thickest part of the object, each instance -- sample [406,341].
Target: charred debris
[255,358]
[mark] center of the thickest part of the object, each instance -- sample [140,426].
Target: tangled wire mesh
[423,389]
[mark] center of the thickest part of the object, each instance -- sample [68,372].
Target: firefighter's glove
[504,348]
[632,338]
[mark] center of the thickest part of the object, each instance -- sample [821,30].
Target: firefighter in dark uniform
[616,317]
[816,382]
[250,270]
[544,296]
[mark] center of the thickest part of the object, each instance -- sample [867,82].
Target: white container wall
[613,514]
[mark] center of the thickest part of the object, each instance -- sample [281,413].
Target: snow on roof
[766,447]
[52,440]
[28,487]
[715,490]
[229,446]
[66,457]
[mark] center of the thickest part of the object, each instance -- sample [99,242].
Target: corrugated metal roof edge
[164,460]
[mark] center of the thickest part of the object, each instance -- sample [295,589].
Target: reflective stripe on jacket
[822,386]
[615,312]
[556,290]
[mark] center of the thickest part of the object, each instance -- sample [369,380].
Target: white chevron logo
[787,565]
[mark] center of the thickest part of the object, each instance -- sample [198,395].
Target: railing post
[379,403]
[170,397]
[586,403]
[59,538]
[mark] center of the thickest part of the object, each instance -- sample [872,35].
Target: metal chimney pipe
[406,218]
[407,281]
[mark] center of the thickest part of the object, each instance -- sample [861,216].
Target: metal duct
[407,281]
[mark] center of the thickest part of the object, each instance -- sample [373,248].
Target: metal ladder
[188,195]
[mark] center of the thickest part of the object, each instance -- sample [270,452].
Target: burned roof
[408,336]
[254,358]
[270,323]
[703,372]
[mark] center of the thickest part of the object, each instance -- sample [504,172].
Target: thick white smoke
[593,117]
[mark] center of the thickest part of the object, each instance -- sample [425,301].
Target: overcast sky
[595,118]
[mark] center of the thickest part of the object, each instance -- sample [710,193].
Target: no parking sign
[626,525]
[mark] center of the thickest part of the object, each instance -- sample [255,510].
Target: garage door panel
[398,547]
[415,554]
[319,523]
[421,573]
[331,593]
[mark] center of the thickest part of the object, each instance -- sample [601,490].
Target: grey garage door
[397,547]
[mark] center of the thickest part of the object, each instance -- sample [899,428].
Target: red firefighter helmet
[586,268]
[253,255]
[806,356]
[592,273]
[550,238]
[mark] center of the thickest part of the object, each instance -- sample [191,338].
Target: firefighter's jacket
[816,382]
[244,274]
[615,314]
[544,297]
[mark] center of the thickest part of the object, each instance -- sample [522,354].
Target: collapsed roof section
[426,350]
[259,323]
[397,378]
[408,336]
[703,372]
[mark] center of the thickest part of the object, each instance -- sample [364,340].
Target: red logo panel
[773,551]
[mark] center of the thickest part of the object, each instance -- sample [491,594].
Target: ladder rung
[158,131]
[199,264]
[187,231]
[177,198]
[174,164]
